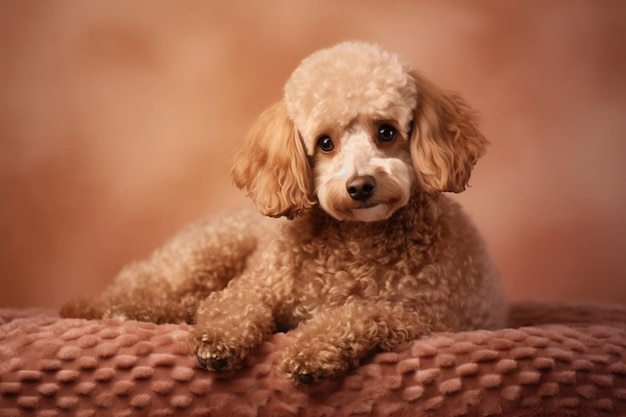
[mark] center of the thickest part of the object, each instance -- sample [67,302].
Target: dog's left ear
[446,140]
[272,167]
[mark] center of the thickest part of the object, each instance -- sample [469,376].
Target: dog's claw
[212,364]
[306,379]
[202,362]
[218,364]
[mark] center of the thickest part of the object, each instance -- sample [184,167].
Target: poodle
[353,244]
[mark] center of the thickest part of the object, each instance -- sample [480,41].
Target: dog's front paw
[229,326]
[301,371]
[214,355]
[313,364]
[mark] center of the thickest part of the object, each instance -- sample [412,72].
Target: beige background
[118,121]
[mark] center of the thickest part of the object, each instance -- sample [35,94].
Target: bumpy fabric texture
[553,360]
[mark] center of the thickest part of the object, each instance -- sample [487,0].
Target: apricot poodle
[369,251]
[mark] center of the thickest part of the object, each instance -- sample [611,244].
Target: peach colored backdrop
[118,120]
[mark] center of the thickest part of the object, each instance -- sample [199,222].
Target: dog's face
[353,109]
[358,133]
[362,171]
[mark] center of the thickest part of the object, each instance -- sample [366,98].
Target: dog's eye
[386,133]
[325,144]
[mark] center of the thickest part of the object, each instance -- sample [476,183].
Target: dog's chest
[330,274]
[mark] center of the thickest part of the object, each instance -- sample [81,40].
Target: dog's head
[357,132]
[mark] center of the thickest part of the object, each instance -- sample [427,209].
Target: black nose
[361,188]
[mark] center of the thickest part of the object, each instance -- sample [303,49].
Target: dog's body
[357,156]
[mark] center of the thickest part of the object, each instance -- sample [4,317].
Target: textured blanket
[553,360]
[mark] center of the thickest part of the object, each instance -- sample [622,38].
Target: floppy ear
[272,166]
[446,140]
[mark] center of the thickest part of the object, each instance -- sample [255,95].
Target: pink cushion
[65,367]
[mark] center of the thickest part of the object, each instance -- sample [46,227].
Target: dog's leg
[170,283]
[337,339]
[231,323]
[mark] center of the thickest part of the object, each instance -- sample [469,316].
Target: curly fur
[369,252]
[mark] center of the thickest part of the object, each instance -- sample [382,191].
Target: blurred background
[118,122]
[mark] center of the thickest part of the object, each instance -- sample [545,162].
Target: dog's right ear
[272,166]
